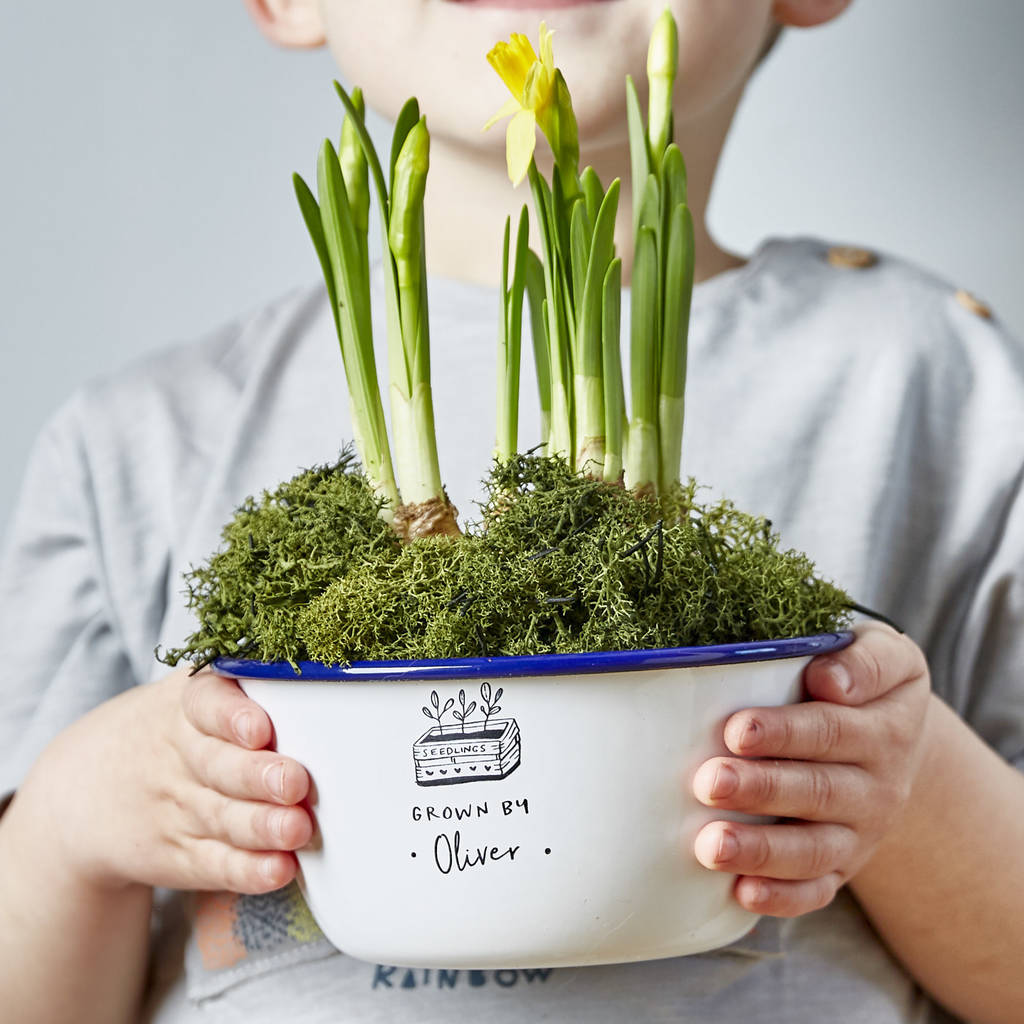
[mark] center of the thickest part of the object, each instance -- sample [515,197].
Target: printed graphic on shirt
[385,977]
[231,927]
[466,749]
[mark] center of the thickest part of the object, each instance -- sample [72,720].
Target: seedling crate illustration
[471,750]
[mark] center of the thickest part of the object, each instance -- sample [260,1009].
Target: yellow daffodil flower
[531,80]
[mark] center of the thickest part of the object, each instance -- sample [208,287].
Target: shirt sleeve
[61,647]
[987,676]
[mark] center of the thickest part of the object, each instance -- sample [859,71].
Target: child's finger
[215,865]
[247,825]
[784,789]
[785,899]
[814,731]
[247,774]
[216,706]
[878,661]
[793,852]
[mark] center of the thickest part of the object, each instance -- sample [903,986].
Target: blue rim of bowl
[539,664]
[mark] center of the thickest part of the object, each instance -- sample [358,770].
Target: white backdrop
[147,151]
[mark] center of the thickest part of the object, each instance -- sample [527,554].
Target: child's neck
[469,196]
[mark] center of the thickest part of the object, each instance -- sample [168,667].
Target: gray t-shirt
[874,419]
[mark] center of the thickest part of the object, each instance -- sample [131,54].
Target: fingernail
[725,782]
[841,677]
[243,726]
[274,779]
[268,869]
[751,734]
[728,847]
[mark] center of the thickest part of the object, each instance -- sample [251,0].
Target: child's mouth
[524,5]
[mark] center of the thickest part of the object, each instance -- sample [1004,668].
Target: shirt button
[851,257]
[973,305]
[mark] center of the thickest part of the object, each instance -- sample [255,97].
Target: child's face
[435,49]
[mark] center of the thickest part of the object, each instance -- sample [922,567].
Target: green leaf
[561,213]
[678,289]
[408,117]
[354,167]
[649,207]
[384,209]
[645,350]
[593,192]
[509,355]
[542,207]
[579,249]
[639,152]
[355,328]
[673,177]
[645,334]
[504,268]
[341,243]
[673,193]
[602,249]
[534,273]
[519,271]
[557,307]
[611,353]
[311,215]
[678,292]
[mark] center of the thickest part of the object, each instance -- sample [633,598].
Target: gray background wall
[147,148]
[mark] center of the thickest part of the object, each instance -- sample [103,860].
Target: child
[849,397]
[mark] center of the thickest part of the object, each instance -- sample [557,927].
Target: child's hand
[850,755]
[169,784]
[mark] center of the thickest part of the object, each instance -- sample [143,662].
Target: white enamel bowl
[552,826]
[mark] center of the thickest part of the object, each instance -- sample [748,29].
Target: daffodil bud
[353,167]
[405,223]
[662,64]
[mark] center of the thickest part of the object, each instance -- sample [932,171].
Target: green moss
[278,554]
[558,563]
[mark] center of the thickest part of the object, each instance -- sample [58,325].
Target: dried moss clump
[278,554]
[561,563]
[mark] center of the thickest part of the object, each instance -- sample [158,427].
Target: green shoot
[591,338]
[338,227]
[642,458]
[614,396]
[662,63]
[538,331]
[412,409]
[511,337]
[662,275]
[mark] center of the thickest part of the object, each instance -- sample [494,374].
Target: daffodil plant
[576,297]
[578,363]
[338,226]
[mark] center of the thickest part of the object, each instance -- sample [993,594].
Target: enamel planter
[519,812]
